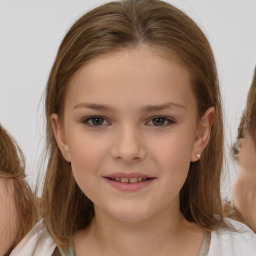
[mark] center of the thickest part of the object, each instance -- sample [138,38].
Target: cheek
[83,155]
[238,192]
[87,155]
[247,156]
[85,148]
[172,157]
[174,150]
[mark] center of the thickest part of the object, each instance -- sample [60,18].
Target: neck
[157,235]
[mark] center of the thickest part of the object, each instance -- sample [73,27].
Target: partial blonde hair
[250,111]
[248,119]
[109,28]
[12,169]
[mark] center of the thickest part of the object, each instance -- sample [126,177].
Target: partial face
[9,218]
[245,186]
[130,130]
[247,154]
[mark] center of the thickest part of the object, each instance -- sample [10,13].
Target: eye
[160,121]
[235,150]
[96,121]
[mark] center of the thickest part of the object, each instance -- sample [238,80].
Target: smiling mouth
[129,180]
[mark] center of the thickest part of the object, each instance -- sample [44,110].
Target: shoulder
[37,242]
[235,243]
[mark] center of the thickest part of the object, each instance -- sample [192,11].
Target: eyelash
[167,121]
[89,121]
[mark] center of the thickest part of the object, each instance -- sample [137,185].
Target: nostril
[128,146]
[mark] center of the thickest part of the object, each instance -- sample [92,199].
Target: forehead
[144,72]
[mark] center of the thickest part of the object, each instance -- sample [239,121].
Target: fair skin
[8,216]
[244,194]
[131,116]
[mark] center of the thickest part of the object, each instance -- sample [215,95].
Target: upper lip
[127,175]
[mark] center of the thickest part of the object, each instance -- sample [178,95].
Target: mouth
[129,180]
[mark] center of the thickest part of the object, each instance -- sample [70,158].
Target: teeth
[133,180]
[124,180]
[127,180]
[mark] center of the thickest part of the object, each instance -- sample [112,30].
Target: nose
[128,146]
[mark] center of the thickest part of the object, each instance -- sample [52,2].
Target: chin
[128,214]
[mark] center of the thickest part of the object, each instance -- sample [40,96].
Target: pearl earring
[198,156]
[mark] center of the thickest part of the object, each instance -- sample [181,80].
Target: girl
[134,137]
[17,206]
[244,194]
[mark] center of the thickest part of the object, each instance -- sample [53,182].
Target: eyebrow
[92,106]
[169,105]
[149,108]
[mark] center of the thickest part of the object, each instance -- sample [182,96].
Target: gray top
[203,252]
[206,244]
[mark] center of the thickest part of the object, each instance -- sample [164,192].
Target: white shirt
[38,242]
[227,243]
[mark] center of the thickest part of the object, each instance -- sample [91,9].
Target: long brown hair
[12,169]
[108,28]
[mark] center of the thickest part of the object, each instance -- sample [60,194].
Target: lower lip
[129,187]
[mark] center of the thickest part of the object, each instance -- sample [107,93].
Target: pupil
[97,121]
[158,121]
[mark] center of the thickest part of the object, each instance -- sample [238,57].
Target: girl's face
[247,154]
[130,129]
[245,187]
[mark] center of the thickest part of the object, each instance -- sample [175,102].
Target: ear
[60,137]
[203,133]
